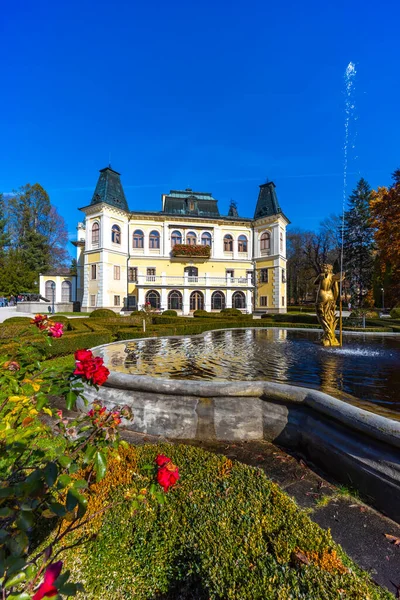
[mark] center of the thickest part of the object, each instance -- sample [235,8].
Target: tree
[358,242]
[4,237]
[37,231]
[385,211]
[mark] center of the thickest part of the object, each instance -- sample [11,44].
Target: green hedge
[225,532]
[101,313]
[307,308]
[395,313]
[17,320]
[70,342]
[169,313]
[288,318]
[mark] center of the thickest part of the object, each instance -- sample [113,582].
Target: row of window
[151,272]
[66,291]
[176,238]
[175,300]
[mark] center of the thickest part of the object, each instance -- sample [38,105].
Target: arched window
[116,234]
[206,239]
[228,243]
[175,300]
[95,233]
[66,289]
[265,242]
[242,243]
[191,238]
[196,301]
[238,300]
[50,289]
[153,298]
[154,240]
[138,239]
[176,238]
[218,301]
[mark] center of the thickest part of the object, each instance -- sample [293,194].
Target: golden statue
[327,295]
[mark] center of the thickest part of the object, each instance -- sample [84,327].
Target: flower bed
[191,250]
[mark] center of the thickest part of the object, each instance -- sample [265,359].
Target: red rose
[56,330]
[83,355]
[100,376]
[47,589]
[167,476]
[162,460]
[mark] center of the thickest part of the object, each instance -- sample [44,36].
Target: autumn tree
[385,212]
[358,242]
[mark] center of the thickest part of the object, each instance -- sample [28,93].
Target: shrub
[175,550]
[101,313]
[302,308]
[200,313]
[60,319]
[18,320]
[169,313]
[72,341]
[267,316]
[235,312]
[395,313]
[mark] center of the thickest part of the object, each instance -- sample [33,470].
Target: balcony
[190,251]
[191,282]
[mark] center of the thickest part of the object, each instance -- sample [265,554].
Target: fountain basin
[356,446]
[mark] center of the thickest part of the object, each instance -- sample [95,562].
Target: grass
[225,532]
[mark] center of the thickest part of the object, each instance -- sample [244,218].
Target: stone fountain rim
[376,426]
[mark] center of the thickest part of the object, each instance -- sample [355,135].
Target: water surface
[367,368]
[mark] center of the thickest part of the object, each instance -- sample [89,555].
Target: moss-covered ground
[225,532]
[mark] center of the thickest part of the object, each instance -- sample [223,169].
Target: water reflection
[367,368]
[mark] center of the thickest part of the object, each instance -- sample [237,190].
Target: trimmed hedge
[395,313]
[17,320]
[101,313]
[288,318]
[72,341]
[169,313]
[307,308]
[225,532]
[234,312]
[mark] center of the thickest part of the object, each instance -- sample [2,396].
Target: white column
[141,297]
[165,239]
[164,292]
[235,246]
[186,301]
[228,298]
[207,296]
[249,301]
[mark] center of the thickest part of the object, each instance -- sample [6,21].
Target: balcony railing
[193,281]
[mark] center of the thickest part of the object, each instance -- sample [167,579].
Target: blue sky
[216,96]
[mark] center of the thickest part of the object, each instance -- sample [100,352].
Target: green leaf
[71,500]
[70,400]
[15,580]
[63,481]
[90,452]
[50,473]
[22,596]
[41,400]
[69,589]
[64,461]
[62,579]
[25,520]
[148,467]
[6,512]
[160,497]
[57,509]
[7,492]
[18,544]
[153,488]
[134,505]
[16,564]
[80,484]
[100,465]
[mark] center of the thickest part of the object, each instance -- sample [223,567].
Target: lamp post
[383,298]
[53,288]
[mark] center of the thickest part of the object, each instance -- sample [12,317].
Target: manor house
[185,257]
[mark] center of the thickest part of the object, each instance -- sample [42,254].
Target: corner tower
[109,189]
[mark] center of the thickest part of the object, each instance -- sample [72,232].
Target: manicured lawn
[225,532]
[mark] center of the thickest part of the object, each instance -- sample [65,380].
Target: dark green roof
[109,189]
[267,203]
[187,202]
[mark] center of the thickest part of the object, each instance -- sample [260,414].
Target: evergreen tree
[4,237]
[358,256]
